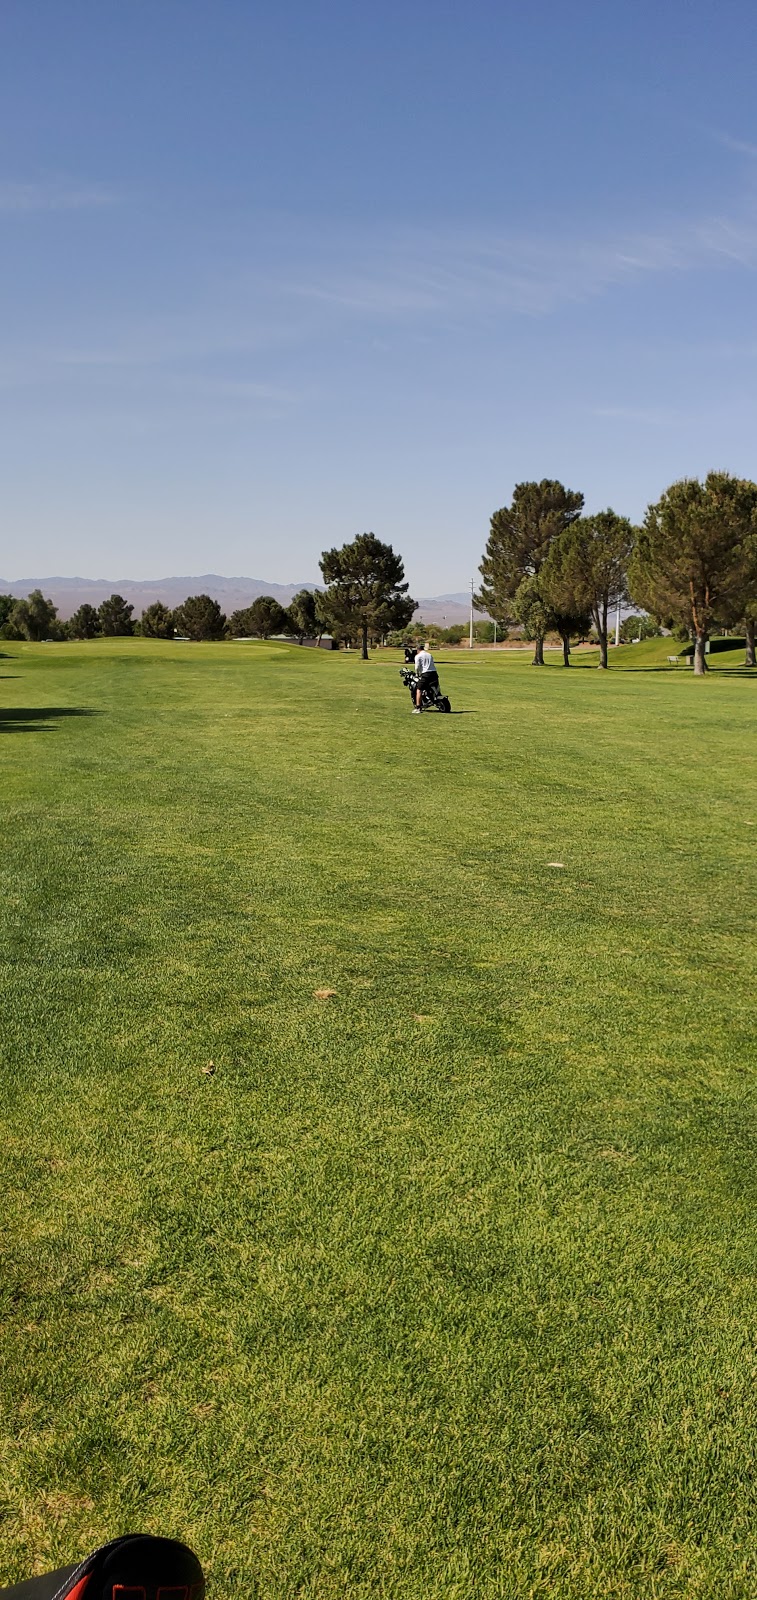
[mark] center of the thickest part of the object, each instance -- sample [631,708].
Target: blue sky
[276,273]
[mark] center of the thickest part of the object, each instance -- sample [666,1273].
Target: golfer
[427,675]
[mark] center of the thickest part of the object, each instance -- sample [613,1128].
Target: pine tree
[520,537]
[116,617]
[694,561]
[586,569]
[365,592]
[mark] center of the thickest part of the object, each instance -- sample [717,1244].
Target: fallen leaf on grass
[556,864]
[324,994]
[208,1071]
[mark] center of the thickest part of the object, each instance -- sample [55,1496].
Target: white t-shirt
[424,662]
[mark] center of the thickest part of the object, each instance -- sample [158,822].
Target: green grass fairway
[443,1287]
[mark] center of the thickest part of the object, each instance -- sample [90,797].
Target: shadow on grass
[686,672]
[682,672]
[593,666]
[31,719]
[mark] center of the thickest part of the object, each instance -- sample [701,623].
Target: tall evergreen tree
[586,569]
[116,617]
[520,536]
[365,589]
[85,623]
[157,621]
[693,560]
[201,618]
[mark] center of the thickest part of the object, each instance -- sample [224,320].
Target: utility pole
[617,624]
[471,615]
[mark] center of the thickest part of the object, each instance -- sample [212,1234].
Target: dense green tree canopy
[201,618]
[693,563]
[638,627]
[520,537]
[366,593]
[85,623]
[33,618]
[116,617]
[157,621]
[539,613]
[305,614]
[586,569]
[260,620]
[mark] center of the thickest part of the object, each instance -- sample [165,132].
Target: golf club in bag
[432,698]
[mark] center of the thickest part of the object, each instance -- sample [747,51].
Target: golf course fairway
[436,1285]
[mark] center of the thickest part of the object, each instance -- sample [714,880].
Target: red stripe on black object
[78,1590]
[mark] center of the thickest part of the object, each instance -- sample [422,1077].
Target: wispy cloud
[425,272]
[155,385]
[742,147]
[381,280]
[52,194]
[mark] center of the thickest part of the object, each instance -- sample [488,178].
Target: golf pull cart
[135,1567]
[432,698]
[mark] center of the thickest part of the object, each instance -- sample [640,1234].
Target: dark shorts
[428,680]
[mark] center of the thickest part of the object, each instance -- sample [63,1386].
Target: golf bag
[135,1567]
[432,698]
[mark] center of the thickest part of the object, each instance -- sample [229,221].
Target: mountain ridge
[233,593]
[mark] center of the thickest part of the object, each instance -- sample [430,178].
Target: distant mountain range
[231,593]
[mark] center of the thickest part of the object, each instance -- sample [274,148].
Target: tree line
[364,598]
[691,565]
[199,617]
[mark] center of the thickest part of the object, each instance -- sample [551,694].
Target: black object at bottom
[40,1588]
[135,1567]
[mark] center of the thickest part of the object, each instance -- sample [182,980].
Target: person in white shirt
[426,673]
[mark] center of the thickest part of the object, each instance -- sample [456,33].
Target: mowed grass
[443,1287]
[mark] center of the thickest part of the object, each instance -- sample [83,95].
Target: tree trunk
[565,649]
[538,660]
[700,659]
[603,647]
[365,641]
[751,658]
